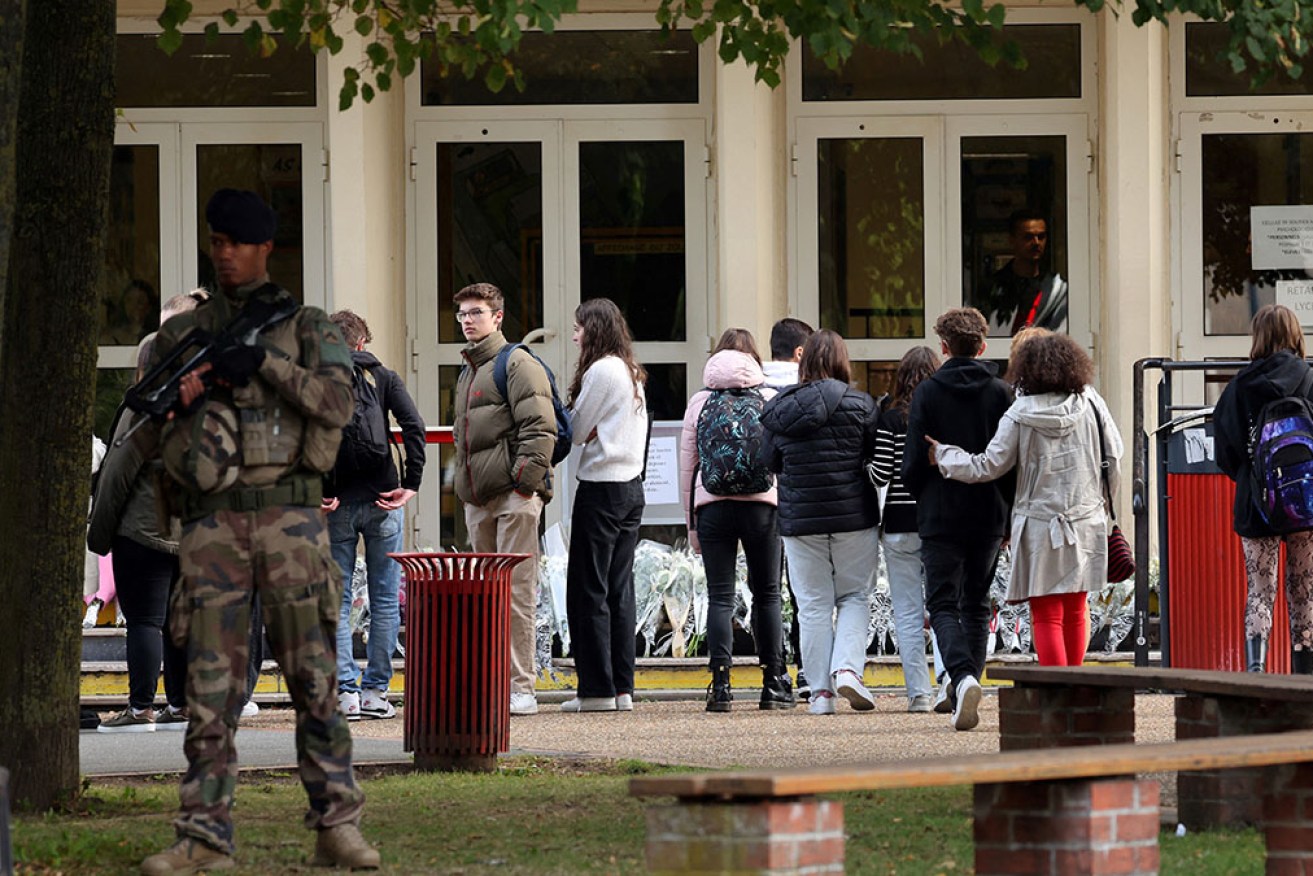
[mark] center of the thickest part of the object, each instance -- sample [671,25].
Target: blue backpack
[1281,461]
[564,434]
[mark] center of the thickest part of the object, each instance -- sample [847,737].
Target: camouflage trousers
[226,558]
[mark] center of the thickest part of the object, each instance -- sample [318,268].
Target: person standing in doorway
[610,420]
[365,498]
[504,464]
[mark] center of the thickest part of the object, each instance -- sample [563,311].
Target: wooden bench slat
[1018,766]
[1252,685]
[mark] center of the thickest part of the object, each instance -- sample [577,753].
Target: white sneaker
[374,704]
[348,703]
[943,703]
[822,702]
[589,704]
[93,614]
[919,704]
[967,714]
[524,704]
[624,702]
[850,687]
[251,709]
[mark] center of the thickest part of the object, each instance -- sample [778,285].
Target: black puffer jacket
[1258,383]
[960,404]
[818,438]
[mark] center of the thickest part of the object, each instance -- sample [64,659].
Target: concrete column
[750,167]
[366,231]
[1133,146]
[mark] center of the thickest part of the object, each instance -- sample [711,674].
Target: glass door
[870,235]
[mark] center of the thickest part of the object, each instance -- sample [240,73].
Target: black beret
[242,215]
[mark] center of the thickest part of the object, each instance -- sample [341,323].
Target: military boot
[343,846]
[187,855]
[1256,654]
[719,695]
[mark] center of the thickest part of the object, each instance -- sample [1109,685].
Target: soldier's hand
[191,387]
[235,365]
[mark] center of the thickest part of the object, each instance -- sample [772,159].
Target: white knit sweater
[606,403]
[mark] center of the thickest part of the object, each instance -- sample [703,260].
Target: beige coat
[1059,521]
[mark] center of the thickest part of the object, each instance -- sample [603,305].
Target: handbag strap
[1103,462]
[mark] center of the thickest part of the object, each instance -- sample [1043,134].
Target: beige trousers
[509,525]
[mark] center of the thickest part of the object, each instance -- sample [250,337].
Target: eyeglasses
[471,315]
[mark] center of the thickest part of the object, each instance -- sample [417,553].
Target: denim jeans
[902,557]
[832,575]
[382,531]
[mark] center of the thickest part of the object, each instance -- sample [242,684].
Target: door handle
[539,334]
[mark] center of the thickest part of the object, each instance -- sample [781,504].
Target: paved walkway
[678,732]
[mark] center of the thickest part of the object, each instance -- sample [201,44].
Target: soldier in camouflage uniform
[244,474]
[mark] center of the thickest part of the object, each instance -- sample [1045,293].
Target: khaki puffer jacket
[503,444]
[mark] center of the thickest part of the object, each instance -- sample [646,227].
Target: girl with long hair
[719,522]
[898,535]
[609,418]
[1059,536]
[818,436]
[1276,370]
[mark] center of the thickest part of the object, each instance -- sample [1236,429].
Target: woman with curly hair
[609,418]
[1051,435]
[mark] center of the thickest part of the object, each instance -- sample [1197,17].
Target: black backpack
[1281,461]
[564,434]
[729,442]
[366,442]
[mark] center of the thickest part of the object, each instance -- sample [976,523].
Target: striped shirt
[886,467]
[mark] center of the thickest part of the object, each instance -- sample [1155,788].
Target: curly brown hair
[355,330]
[963,331]
[1051,363]
[916,365]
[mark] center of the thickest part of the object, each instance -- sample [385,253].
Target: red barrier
[458,658]
[1206,594]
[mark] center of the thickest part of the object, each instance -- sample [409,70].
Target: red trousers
[1061,624]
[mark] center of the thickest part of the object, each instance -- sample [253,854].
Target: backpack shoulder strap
[1306,384]
[499,366]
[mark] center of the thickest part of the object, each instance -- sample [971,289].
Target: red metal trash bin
[458,656]
[1207,586]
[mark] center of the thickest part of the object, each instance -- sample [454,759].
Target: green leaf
[230,17]
[169,41]
[367,92]
[364,25]
[495,78]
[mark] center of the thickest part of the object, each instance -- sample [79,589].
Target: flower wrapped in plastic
[1009,628]
[1112,608]
[551,618]
[880,626]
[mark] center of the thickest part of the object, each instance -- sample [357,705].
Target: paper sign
[662,484]
[1298,296]
[1281,237]
[1198,446]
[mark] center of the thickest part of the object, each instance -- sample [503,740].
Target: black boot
[1256,654]
[719,695]
[776,690]
[1301,661]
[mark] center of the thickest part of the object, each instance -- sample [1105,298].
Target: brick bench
[1054,811]
[1057,706]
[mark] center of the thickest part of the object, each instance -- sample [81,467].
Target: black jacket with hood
[818,437]
[960,404]
[1259,382]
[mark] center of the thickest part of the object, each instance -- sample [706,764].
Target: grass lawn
[536,815]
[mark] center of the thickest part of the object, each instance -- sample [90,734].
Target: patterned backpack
[729,442]
[1281,461]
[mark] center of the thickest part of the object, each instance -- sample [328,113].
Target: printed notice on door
[1298,296]
[662,484]
[1281,237]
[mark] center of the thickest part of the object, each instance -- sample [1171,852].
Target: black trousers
[722,526]
[144,578]
[599,585]
[958,573]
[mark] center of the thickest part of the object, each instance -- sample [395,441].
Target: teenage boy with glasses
[503,463]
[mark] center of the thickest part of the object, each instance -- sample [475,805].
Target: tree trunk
[11,64]
[47,377]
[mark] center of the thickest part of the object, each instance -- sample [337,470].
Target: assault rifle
[158,393]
